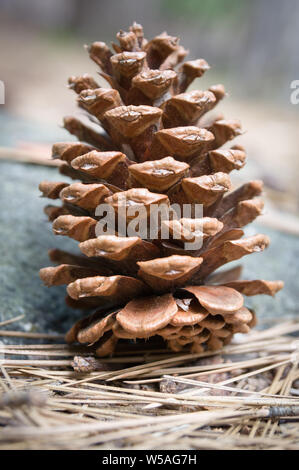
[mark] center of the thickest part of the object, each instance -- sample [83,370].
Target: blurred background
[252,48]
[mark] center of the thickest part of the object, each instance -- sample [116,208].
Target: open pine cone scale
[149,142]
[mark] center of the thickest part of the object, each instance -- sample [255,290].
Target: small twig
[217,386]
[11,320]
[23,334]
[27,156]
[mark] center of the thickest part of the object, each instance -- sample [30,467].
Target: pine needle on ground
[57,397]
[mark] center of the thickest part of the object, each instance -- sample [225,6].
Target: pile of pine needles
[58,397]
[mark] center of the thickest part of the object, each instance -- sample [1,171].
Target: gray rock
[278,261]
[26,236]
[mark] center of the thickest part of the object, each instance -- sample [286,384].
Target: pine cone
[148,142]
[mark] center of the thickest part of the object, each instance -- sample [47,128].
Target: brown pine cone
[150,143]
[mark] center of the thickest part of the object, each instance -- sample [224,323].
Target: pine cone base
[183,323]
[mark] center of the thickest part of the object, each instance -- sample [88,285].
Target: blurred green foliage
[204,10]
